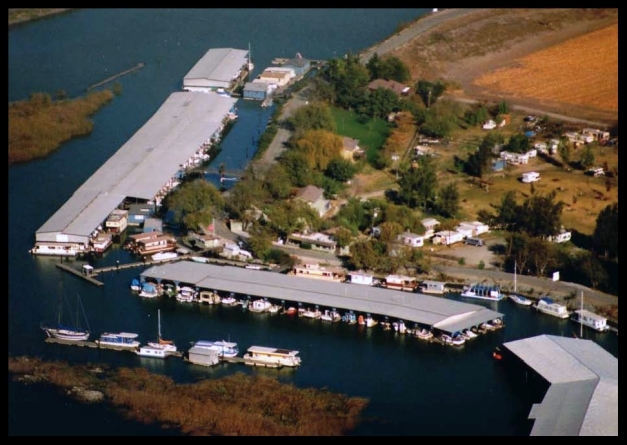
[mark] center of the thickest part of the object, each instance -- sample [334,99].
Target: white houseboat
[591,320]
[547,306]
[121,340]
[223,348]
[433,287]
[336,274]
[491,292]
[271,357]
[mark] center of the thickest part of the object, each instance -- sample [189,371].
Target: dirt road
[422,25]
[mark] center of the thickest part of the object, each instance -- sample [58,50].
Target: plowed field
[582,71]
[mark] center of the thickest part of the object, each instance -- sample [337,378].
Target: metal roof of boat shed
[217,67]
[583,397]
[144,164]
[444,314]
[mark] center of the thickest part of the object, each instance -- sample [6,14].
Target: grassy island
[234,405]
[39,125]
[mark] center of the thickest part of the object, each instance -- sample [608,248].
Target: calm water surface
[415,388]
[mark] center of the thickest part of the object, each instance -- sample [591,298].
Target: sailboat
[161,348]
[64,332]
[519,299]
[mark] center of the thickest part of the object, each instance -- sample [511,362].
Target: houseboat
[271,357]
[590,319]
[433,287]
[223,348]
[101,242]
[547,306]
[118,340]
[316,271]
[400,282]
[491,292]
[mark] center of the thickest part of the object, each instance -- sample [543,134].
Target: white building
[530,177]
[477,227]
[360,277]
[411,239]
[429,224]
[447,237]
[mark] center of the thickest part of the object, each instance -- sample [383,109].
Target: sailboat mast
[514,276]
[581,315]
[158,324]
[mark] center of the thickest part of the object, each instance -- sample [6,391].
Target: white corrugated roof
[408,306]
[220,64]
[583,396]
[145,163]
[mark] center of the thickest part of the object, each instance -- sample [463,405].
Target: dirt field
[560,60]
[557,60]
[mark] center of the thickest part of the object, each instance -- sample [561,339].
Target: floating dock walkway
[137,67]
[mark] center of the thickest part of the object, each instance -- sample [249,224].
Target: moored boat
[519,299]
[483,292]
[61,331]
[271,357]
[424,334]
[126,340]
[224,348]
[547,306]
[160,348]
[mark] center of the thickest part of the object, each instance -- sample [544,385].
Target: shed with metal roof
[582,399]
[441,313]
[216,69]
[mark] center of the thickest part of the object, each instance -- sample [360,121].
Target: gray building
[255,90]
[299,65]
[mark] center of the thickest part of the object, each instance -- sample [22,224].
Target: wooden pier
[137,67]
[88,277]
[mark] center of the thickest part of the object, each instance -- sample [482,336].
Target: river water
[414,388]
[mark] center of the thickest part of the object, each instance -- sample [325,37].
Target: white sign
[556,276]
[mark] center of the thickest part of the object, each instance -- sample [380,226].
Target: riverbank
[23,15]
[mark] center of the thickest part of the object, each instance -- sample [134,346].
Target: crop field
[582,71]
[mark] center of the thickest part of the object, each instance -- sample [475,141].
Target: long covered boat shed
[439,313]
[582,399]
[140,168]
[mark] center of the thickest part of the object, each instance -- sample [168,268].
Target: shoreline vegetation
[235,405]
[39,125]
[23,15]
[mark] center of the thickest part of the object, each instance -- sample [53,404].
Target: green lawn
[371,135]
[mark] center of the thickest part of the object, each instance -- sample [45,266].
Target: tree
[340,169]
[540,216]
[518,143]
[277,182]
[429,91]
[381,102]
[605,236]
[507,215]
[418,185]
[587,157]
[542,254]
[315,116]
[592,269]
[564,152]
[447,203]
[195,203]
[364,255]
[318,148]
[389,231]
